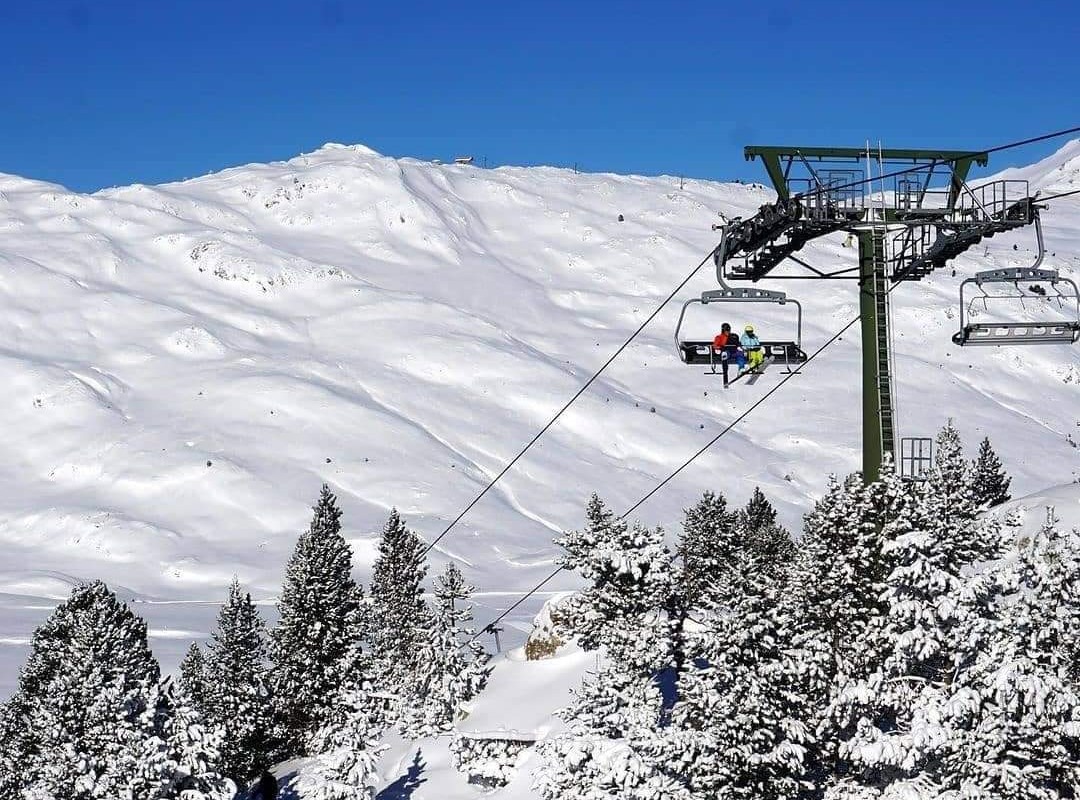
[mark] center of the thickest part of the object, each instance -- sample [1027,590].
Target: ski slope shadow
[403,787]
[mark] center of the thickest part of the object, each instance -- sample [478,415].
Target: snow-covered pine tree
[614,747]
[347,751]
[193,683]
[740,728]
[398,611]
[449,671]
[318,630]
[624,611]
[182,760]
[990,482]
[833,599]
[237,688]
[954,497]
[630,579]
[892,722]
[767,543]
[1018,732]
[953,481]
[85,703]
[709,544]
[758,512]
[839,573]
[14,747]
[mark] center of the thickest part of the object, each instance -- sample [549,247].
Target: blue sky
[108,92]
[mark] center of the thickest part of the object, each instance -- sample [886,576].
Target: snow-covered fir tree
[486,761]
[630,578]
[739,729]
[1016,725]
[347,751]
[955,497]
[758,513]
[318,631]
[89,712]
[399,615]
[708,545]
[624,613]
[767,543]
[451,669]
[990,481]
[615,747]
[955,488]
[832,599]
[14,747]
[237,688]
[893,722]
[183,760]
[193,682]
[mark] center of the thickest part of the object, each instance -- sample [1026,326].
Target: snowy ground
[186,364]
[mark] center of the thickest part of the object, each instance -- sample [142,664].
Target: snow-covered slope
[185,364]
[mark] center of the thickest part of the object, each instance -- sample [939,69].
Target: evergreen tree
[893,722]
[740,726]
[767,543]
[832,599]
[709,545]
[990,482]
[14,746]
[953,497]
[450,673]
[318,629]
[399,614]
[758,513]
[183,759]
[88,711]
[630,580]
[1018,732]
[840,570]
[237,692]
[624,612]
[348,751]
[954,486]
[193,682]
[615,747]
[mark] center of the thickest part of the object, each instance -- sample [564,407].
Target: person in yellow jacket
[755,354]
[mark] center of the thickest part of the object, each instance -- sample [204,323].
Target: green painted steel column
[871,379]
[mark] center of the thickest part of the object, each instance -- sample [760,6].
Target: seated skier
[755,353]
[730,349]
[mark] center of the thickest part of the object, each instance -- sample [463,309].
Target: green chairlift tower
[908,221]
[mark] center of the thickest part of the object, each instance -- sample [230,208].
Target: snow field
[399,329]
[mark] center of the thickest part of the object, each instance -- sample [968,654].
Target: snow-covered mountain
[186,363]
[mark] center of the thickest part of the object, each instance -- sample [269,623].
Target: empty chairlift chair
[700,352]
[1041,289]
[1026,288]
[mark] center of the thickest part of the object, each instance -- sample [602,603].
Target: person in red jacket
[727,344]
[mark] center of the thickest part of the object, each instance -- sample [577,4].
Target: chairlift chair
[1061,293]
[699,352]
[1064,330]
